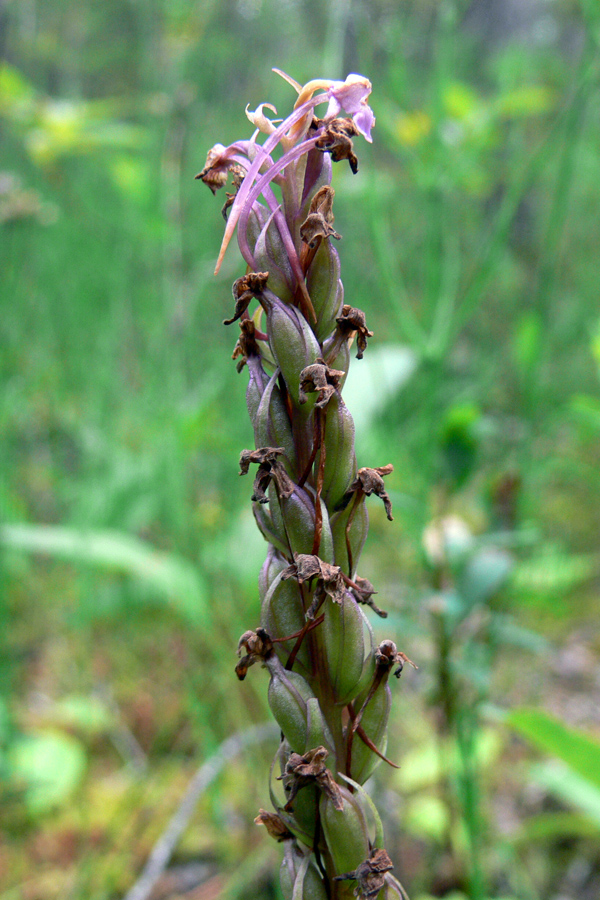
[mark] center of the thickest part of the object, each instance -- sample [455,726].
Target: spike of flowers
[328,685]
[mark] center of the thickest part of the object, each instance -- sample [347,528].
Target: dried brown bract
[216,168]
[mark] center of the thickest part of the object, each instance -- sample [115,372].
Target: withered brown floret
[258,646]
[370,481]
[330,579]
[352,323]
[363,592]
[216,168]
[336,139]
[319,221]
[274,825]
[369,875]
[301,771]
[319,378]
[269,469]
[238,176]
[244,290]
[246,345]
[387,656]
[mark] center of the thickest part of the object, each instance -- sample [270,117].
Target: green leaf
[571,788]
[483,575]
[374,380]
[554,571]
[169,575]
[89,715]
[49,765]
[425,766]
[549,826]
[575,748]
[426,816]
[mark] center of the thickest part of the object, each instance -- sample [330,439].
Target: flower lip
[351,95]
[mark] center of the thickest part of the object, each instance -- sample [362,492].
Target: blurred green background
[129,557]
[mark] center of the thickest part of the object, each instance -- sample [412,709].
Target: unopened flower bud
[317,731]
[257,383]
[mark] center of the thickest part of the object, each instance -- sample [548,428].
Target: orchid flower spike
[350,95]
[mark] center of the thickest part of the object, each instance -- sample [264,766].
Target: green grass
[469,237]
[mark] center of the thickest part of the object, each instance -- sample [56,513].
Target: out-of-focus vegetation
[129,556]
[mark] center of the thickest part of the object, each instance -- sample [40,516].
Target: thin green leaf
[171,576]
[578,750]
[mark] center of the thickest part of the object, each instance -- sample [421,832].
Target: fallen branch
[206,774]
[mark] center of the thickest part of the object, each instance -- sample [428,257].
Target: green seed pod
[272,566]
[393,888]
[256,387]
[317,731]
[374,723]
[337,356]
[299,877]
[357,535]
[293,345]
[281,614]
[272,427]
[345,831]
[292,860]
[302,820]
[325,288]
[272,531]
[270,256]
[309,885]
[299,517]
[340,462]
[343,639]
[288,695]
[256,222]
